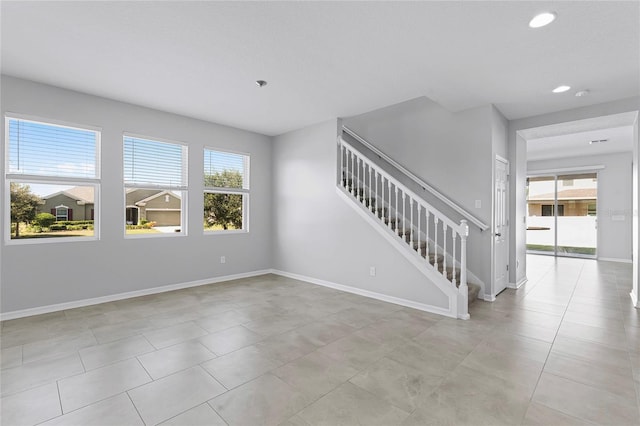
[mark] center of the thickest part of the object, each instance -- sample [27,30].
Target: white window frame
[66,212]
[245,192]
[184,189]
[27,179]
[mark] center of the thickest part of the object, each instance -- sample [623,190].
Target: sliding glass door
[561,214]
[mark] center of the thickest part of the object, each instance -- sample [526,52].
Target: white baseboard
[519,284]
[113,297]
[634,299]
[367,293]
[615,259]
[489,298]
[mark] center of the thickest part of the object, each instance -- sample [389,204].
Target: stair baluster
[444,251]
[426,240]
[411,227]
[389,203]
[353,173]
[453,239]
[396,195]
[435,242]
[370,191]
[419,249]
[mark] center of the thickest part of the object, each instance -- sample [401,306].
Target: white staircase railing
[430,189]
[440,242]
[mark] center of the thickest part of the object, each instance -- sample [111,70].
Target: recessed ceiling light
[542,19]
[561,89]
[582,93]
[261,83]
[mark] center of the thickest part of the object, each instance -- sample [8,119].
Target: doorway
[501,226]
[562,214]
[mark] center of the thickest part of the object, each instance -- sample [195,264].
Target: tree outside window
[226,191]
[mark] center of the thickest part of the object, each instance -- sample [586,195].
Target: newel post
[463,290]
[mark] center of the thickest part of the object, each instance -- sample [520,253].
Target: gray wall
[635,237]
[114,264]
[518,161]
[614,198]
[453,152]
[317,234]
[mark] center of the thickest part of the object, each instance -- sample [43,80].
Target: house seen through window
[226,191]
[155,180]
[54,178]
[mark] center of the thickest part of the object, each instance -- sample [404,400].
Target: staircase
[428,238]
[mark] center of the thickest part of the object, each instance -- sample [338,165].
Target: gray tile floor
[564,349]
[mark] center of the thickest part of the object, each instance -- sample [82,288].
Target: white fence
[573,231]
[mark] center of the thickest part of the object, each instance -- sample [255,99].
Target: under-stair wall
[435,201]
[319,236]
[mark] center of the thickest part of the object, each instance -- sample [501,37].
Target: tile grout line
[59,398]
[134,406]
[556,334]
[216,411]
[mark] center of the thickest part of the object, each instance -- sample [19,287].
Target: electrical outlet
[223,259]
[372,271]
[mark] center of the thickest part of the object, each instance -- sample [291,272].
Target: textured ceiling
[325,59]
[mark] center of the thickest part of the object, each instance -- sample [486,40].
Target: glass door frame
[555,175]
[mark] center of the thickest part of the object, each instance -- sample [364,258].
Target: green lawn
[26,234]
[141,231]
[563,249]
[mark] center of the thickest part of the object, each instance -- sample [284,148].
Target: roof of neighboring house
[159,194]
[83,194]
[568,194]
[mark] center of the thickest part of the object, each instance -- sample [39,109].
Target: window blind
[154,163]
[51,150]
[225,170]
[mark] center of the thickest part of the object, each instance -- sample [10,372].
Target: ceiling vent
[598,141]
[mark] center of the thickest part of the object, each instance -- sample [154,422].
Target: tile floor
[563,349]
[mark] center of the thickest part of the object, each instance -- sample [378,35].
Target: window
[226,191]
[53,176]
[547,210]
[155,183]
[62,213]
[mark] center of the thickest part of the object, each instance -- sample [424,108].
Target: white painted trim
[504,160]
[133,135]
[366,293]
[554,172]
[615,259]
[119,296]
[489,298]
[519,284]
[634,299]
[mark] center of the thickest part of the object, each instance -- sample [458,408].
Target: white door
[501,255]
